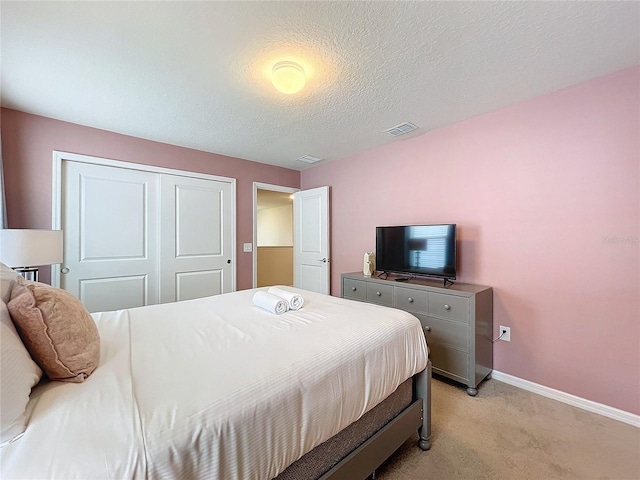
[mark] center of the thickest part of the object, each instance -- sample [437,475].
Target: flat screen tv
[428,250]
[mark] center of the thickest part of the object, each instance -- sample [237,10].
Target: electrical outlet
[507,333]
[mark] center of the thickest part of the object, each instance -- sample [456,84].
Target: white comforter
[216,388]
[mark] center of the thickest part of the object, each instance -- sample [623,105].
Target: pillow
[18,374]
[8,278]
[56,329]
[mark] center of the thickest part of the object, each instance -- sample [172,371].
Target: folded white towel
[294,300]
[271,303]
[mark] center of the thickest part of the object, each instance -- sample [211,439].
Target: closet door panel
[198,232]
[197,239]
[110,229]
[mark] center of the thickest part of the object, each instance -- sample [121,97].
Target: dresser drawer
[355,289]
[445,332]
[459,318]
[380,294]
[411,299]
[450,362]
[449,306]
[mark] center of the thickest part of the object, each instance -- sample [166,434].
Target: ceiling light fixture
[288,77]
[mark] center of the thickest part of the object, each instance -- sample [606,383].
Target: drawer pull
[427,328]
[353,289]
[378,293]
[410,300]
[447,307]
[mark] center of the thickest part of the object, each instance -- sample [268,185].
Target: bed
[219,388]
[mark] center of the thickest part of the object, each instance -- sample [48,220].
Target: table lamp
[24,250]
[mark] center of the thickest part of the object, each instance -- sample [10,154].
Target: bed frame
[357,451]
[365,459]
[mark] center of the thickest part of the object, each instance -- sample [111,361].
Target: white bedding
[216,388]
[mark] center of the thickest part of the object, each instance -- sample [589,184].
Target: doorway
[273,235]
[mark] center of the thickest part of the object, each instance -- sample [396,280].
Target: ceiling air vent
[308,159]
[401,129]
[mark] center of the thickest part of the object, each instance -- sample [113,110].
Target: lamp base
[29,273]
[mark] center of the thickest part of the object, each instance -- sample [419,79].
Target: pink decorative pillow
[57,330]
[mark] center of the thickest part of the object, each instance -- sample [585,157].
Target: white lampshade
[27,248]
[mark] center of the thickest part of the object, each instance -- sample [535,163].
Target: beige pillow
[18,375]
[56,329]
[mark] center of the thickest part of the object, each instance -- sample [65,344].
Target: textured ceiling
[195,73]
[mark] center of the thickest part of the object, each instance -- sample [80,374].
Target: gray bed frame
[365,459]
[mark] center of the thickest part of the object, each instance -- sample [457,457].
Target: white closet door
[196,239]
[110,228]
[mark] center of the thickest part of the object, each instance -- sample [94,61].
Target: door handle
[64,270]
[323,260]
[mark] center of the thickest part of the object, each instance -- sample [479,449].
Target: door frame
[56,200]
[262,186]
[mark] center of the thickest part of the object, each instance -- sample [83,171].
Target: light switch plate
[247,247]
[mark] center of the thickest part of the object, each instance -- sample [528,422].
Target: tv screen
[417,249]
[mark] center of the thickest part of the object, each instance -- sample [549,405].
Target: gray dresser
[457,320]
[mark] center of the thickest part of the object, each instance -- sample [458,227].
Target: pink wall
[29,140]
[545,195]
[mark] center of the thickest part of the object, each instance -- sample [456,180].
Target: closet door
[136,235]
[110,222]
[196,238]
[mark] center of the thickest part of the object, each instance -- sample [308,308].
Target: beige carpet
[509,433]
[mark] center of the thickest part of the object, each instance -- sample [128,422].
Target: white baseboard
[590,406]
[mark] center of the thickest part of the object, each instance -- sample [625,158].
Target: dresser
[457,320]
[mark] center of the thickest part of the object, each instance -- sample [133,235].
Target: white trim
[74,157]
[56,197]
[583,403]
[56,210]
[262,186]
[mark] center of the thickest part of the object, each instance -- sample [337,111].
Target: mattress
[216,388]
[327,455]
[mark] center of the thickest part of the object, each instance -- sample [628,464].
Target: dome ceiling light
[288,77]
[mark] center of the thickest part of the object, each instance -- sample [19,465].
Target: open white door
[311,240]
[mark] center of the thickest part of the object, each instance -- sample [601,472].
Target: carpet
[509,433]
